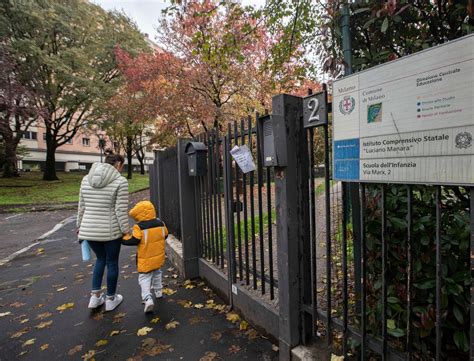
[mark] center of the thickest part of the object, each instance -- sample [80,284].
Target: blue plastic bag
[86,251]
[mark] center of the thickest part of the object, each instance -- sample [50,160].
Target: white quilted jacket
[103,204]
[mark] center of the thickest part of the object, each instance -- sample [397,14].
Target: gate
[236,214]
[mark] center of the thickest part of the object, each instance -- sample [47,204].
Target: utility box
[197,159]
[268,142]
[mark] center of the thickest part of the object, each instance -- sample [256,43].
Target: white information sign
[243,157]
[410,120]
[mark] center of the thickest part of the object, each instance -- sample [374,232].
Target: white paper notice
[243,157]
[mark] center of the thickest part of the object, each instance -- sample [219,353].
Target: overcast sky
[146,12]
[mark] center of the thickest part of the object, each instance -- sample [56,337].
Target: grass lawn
[31,189]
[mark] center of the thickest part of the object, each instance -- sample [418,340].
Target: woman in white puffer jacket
[102,220]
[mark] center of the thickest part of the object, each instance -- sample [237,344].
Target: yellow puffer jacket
[149,234]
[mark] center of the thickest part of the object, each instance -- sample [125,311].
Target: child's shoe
[149,305]
[159,294]
[96,300]
[112,302]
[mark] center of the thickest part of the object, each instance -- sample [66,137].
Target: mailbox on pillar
[197,159]
[272,140]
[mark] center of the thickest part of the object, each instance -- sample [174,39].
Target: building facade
[77,155]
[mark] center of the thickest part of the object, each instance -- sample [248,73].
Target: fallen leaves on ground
[98,316]
[196,319]
[200,284]
[29,342]
[188,284]
[40,251]
[216,336]
[114,333]
[101,343]
[3,314]
[119,317]
[198,306]
[152,347]
[184,303]
[61,289]
[243,325]
[233,317]
[251,334]
[220,308]
[44,347]
[20,333]
[171,325]
[75,350]
[168,291]
[337,358]
[275,348]
[233,349]
[155,320]
[143,331]
[24,321]
[65,306]
[22,353]
[44,315]
[44,324]
[89,355]
[17,304]
[209,356]
[210,304]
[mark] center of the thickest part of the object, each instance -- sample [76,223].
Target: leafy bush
[455,247]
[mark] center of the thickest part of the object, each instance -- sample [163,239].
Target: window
[69,141]
[29,135]
[86,142]
[44,136]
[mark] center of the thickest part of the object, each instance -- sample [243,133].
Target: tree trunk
[50,166]
[141,159]
[9,167]
[129,157]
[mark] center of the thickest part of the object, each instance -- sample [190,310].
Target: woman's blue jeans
[107,255]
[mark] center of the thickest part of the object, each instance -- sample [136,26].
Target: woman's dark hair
[112,158]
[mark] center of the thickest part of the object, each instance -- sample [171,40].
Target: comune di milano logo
[347,105]
[463,140]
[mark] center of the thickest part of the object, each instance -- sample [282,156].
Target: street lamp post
[101,145]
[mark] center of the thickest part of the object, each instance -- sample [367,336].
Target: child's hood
[143,211]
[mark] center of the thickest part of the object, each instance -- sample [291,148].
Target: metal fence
[168,189]
[394,280]
[375,271]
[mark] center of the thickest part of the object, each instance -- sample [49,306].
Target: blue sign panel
[346,159]
[347,169]
[346,149]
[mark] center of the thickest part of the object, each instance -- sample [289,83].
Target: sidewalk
[44,316]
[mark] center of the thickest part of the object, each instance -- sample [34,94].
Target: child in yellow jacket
[149,235]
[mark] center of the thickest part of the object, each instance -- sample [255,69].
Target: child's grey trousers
[150,280]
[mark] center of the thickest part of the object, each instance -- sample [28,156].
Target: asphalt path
[43,311]
[19,230]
